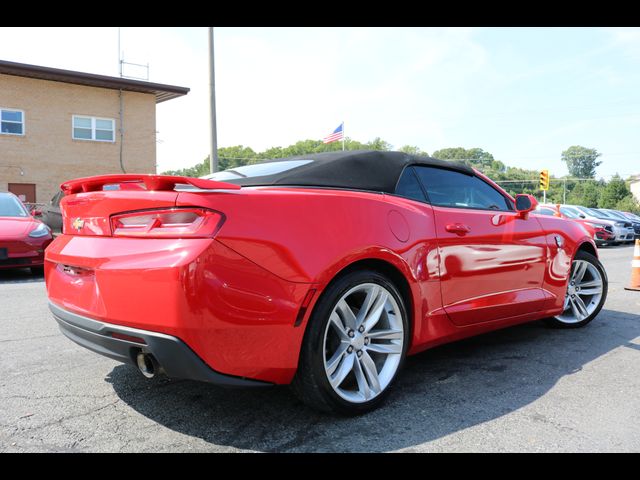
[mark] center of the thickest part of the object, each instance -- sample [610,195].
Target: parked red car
[23,238]
[601,233]
[323,271]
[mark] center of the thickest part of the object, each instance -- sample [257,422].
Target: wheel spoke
[375,313]
[343,370]
[579,272]
[363,386]
[345,312]
[384,348]
[385,335]
[333,362]
[369,299]
[574,309]
[590,291]
[590,283]
[369,368]
[582,308]
[338,326]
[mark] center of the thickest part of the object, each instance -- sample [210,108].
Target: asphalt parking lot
[527,388]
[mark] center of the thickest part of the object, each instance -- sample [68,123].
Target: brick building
[59,124]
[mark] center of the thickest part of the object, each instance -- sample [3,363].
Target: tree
[413,150]
[581,161]
[628,204]
[476,157]
[585,193]
[615,191]
[236,156]
[378,144]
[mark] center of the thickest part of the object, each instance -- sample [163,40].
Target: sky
[522,94]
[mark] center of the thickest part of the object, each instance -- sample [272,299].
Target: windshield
[593,213]
[545,211]
[616,215]
[257,170]
[570,212]
[11,207]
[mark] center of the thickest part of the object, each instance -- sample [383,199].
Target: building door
[24,191]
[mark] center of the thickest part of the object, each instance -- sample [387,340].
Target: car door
[492,260]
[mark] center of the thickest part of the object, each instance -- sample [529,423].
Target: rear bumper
[233,314]
[173,355]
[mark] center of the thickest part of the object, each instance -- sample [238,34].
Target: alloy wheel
[584,292]
[363,342]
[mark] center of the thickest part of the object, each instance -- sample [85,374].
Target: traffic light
[544,180]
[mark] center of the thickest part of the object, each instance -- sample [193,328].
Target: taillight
[170,223]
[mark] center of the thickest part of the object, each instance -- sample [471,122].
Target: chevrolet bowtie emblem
[78,223]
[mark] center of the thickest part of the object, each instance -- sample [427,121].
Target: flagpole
[343,135]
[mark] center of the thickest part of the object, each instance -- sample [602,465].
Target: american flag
[337,134]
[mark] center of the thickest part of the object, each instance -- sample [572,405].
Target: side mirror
[36,213]
[582,215]
[525,203]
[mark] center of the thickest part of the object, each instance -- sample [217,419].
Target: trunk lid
[90,202]
[90,213]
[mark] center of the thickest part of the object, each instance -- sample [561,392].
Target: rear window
[257,170]
[55,201]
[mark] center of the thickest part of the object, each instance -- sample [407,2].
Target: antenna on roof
[137,67]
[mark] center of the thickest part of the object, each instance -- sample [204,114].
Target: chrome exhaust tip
[147,364]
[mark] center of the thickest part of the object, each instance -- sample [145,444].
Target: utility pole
[213,155]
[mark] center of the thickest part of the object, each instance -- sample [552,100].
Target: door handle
[458,228]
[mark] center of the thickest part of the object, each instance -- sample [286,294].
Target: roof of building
[354,169]
[162,92]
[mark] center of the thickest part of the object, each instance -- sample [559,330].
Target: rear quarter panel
[310,235]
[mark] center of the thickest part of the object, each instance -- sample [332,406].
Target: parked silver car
[51,215]
[620,228]
[618,216]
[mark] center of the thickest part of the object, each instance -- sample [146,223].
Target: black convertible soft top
[353,169]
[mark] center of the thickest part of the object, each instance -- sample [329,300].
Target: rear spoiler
[151,182]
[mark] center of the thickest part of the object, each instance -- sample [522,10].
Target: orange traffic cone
[635,269]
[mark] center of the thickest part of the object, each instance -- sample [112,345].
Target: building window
[11,122]
[92,128]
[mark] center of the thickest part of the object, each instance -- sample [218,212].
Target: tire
[329,332]
[574,316]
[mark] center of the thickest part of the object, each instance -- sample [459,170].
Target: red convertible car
[322,271]
[23,239]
